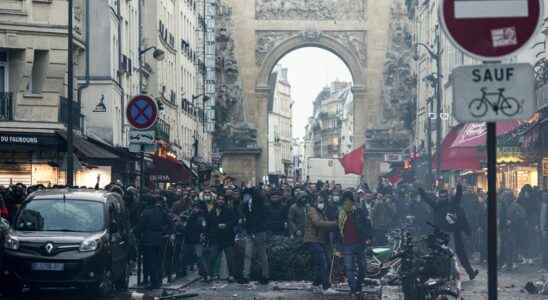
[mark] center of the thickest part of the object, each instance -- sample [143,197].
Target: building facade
[33,90]
[331,128]
[175,82]
[280,130]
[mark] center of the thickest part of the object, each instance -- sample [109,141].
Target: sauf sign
[493,92]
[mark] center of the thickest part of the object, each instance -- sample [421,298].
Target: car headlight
[89,245]
[11,243]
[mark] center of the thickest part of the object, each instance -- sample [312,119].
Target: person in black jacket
[196,238]
[220,227]
[153,226]
[254,214]
[276,214]
[450,217]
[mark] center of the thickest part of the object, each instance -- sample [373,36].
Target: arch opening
[310,114]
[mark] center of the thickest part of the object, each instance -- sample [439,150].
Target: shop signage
[31,140]
[18,139]
[160,178]
[491,29]
[494,92]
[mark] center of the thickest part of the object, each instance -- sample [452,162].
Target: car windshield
[61,215]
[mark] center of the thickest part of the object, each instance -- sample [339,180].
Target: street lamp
[436,56]
[204,100]
[158,54]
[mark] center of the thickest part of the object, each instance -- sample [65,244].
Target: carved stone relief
[355,41]
[267,40]
[233,130]
[310,9]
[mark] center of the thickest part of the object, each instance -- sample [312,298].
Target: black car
[4,228]
[68,238]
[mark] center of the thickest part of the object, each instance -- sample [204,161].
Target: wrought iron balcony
[162,129]
[6,106]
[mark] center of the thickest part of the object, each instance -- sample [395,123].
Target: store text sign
[14,139]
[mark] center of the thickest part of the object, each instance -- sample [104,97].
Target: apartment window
[4,84]
[39,71]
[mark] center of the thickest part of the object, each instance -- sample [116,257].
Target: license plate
[48,266]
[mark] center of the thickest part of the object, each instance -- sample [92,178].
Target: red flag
[353,161]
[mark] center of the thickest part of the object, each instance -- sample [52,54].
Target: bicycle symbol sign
[508,106]
[142,112]
[493,92]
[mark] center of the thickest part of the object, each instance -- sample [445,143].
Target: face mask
[321,206]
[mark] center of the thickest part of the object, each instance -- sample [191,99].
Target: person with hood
[196,238]
[449,216]
[517,222]
[316,231]
[254,210]
[276,220]
[152,228]
[530,199]
[221,223]
[296,216]
[354,230]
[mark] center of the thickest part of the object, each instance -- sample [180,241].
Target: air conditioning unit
[393,157]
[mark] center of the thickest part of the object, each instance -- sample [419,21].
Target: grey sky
[310,69]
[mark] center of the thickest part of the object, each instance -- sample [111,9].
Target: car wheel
[122,283]
[105,287]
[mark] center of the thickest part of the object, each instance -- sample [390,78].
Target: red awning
[169,170]
[459,148]
[475,134]
[457,158]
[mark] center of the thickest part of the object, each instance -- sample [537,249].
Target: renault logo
[49,248]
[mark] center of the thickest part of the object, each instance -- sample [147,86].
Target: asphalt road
[510,288]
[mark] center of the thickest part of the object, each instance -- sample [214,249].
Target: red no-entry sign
[491,29]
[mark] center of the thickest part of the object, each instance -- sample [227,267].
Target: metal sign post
[492,210]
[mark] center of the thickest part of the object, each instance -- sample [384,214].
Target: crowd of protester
[236,221]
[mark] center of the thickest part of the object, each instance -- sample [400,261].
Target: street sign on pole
[494,92]
[142,112]
[490,30]
[142,136]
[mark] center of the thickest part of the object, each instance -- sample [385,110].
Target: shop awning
[88,151]
[458,158]
[460,147]
[475,134]
[169,170]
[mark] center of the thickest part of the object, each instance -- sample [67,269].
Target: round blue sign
[142,112]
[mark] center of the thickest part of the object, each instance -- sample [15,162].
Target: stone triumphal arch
[265,30]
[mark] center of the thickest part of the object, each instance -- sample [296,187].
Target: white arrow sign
[494,92]
[142,137]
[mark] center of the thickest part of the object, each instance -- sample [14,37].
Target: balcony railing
[162,130]
[64,114]
[6,107]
